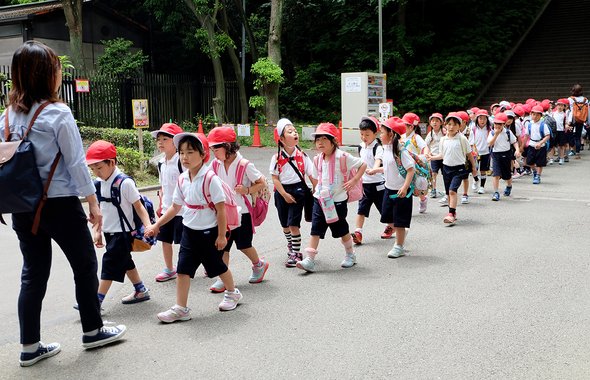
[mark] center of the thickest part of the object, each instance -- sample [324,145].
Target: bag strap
[343,167]
[294,167]
[116,200]
[207,188]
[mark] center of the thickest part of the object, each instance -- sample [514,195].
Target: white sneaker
[307,264]
[444,202]
[423,205]
[465,199]
[349,260]
[481,190]
[230,300]
[474,185]
[396,251]
[551,161]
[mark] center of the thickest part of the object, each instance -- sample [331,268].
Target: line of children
[371,152]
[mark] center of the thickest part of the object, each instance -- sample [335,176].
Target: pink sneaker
[230,300]
[423,205]
[175,313]
[166,275]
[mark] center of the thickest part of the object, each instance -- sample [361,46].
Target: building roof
[24,11]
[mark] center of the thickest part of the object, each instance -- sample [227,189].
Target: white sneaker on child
[349,260]
[396,251]
[230,300]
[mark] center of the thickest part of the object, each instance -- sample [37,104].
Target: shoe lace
[109,330]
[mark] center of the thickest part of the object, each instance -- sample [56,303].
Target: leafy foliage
[119,60]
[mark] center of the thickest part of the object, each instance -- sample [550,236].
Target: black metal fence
[170,96]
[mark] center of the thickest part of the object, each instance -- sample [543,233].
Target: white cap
[281,124]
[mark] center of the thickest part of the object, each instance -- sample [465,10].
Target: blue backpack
[140,241]
[542,130]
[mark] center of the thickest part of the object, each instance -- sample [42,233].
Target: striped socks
[296,243]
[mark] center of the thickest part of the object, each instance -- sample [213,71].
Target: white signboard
[384,110]
[243,130]
[352,84]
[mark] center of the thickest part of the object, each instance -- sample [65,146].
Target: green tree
[118,59]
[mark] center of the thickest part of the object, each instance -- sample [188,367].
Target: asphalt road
[503,294]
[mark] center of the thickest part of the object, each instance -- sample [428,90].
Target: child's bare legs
[347,242]
[496,182]
[183,285]
[453,198]
[168,253]
[228,281]
[400,235]
[104,286]
[314,242]
[360,221]
[434,176]
[133,276]
[465,186]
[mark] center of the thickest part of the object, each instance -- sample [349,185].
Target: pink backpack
[354,194]
[232,211]
[259,209]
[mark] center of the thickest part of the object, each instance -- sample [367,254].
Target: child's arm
[279,186]
[494,137]
[473,164]
[153,229]
[359,174]
[376,167]
[142,213]
[96,231]
[221,240]
[314,183]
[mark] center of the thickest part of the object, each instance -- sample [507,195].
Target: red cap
[411,118]
[537,109]
[463,115]
[220,135]
[530,100]
[500,118]
[482,113]
[453,115]
[395,124]
[201,138]
[169,129]
[372,119]
[99,151]
[437,115]
[563,101]
[475,110]
[519,110]
[527,107]
[326,129]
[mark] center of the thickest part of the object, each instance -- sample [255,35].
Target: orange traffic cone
[200,126]
[340,132]
[256,138]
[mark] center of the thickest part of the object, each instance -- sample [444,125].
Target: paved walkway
[503,294]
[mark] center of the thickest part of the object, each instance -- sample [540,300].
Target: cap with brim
[411,118]
[436,115]
[220,135]
[463,115]
[500,118]
[537,109]
[510,113]
[395,124]
[280,128]
[326,129]
[453,115]
[482,113]
[372,119]
[100,150]
[169,129]
[201,138]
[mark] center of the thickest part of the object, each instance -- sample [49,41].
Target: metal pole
[380,39]
[244,42]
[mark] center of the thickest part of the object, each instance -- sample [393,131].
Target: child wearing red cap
[117,262]
[229,164]
[455,152]
[288,168]
[169,168]
[561,138]
[331,194]
[398,167]
[433,141]
[478,139]
[204,227]
[466,131]
[501,139]
[538,133]
[371,152]
[415,144]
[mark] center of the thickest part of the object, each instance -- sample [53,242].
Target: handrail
[510,54]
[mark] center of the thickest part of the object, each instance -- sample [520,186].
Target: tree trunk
[238,73]
[73,13]
[251,41]
[274,54]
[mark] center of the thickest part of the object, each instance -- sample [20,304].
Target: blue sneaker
[507,191]
[106,335]
[496,196]
[536,180]
[43,352]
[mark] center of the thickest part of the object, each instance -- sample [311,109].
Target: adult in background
[36,79]
[579,115]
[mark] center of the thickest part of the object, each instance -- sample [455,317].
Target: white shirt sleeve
[273,168]
[216,190]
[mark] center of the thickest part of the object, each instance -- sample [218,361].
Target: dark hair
[367,124]
[329,137]
[489,125]
[192,142]
[34,72]
[230,148]
[395,143]
[577,90]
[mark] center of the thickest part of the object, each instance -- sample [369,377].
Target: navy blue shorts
[502,166]
[198,247]
[371,196]
[484,162]
[436,166]
[562,138]
[117,259]
[397,210]
[290,213]
[318,220]
[242,235]
[171,232]
[453,176]
[536,157]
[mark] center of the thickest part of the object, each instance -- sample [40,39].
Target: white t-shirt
[129,195]
[535,129]
[288,176]
[251,175]
[503,141]
[393,178]
[414,138]
[366,155]
[479,138]
[336,187]
[191,192]
[169,172]
[454,149]
[433,141]
[559,120]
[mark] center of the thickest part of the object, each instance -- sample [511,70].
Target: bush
[121,138]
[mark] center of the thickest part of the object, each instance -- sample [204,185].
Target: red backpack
[232,211]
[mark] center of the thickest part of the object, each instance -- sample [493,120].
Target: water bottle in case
[328,206]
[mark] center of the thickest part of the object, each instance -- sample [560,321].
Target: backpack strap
[207,188]
[343,167]
[116,200]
